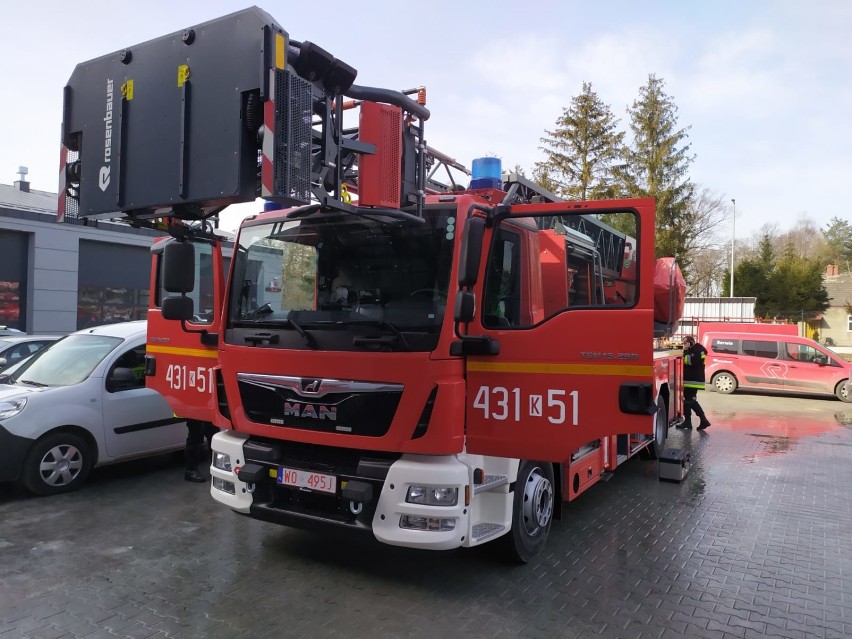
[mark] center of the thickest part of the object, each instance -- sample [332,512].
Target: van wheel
[58,463]
[532,511]
[724,383]
[842,391]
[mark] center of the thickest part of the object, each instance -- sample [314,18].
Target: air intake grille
[72,188]
[292,161]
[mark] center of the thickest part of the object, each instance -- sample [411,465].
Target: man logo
[311,386]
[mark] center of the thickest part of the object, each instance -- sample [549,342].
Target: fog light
[222,461]
[432,524]
[432,495]
[224,486]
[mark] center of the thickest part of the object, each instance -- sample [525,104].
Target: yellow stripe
[561,369]
[189,352]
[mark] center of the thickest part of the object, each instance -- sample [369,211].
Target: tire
[661,429]
[841,391]
[57,463]
[532,511]
[724,383]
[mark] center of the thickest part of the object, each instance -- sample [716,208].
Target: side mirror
[178,308]
[178,273]
[822,360]
[121,378]
[465,307]
[3,361]
[471,251]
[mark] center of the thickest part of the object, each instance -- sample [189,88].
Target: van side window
[807,353]
[760,348]
[725,346]
[799,352]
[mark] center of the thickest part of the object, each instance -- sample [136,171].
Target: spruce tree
[581,150]
[656,165]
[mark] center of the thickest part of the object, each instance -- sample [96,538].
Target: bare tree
[805,239]
[706,244]
[709,269]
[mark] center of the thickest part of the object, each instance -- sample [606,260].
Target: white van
[82,403]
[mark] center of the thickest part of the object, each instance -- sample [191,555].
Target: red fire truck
[391,352]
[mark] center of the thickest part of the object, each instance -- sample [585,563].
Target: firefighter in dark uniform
[194,453]
[693,381]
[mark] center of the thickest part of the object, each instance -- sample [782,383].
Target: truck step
[491,481]
[486,530]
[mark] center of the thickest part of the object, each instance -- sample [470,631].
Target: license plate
[306,479]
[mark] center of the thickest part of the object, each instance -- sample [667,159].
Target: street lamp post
[733,241]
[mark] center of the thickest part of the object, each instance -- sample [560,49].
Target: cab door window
[542,265]
[503,282]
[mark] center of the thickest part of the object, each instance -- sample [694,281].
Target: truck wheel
[661,429]
[58,463]
[724,383]
[532,511]
[841,391]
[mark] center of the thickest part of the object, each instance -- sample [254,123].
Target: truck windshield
[386,278]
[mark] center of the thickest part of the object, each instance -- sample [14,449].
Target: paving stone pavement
[756,542]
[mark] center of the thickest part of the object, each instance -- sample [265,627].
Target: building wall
[835,327]
[53,264]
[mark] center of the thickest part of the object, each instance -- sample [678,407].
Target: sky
[763,87]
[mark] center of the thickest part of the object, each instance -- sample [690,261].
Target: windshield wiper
[32,383]
[379,323]
[265,309]
[272,338]
[309,339]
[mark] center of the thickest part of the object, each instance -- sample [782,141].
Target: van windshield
[67,362]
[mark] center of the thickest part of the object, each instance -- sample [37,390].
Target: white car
[79,404]
[15,348]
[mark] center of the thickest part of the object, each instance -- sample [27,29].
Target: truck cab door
[181,360]
[566,293]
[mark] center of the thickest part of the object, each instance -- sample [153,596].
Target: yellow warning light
[127,90]
[280,52]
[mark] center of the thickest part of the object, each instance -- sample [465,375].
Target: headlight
[221,461]
[432,495]
[11,407]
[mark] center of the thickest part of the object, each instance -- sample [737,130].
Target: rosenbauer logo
[103,177]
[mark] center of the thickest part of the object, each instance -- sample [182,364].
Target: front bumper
[388,478]
[13,451]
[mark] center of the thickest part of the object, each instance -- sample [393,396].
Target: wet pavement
[755,542]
